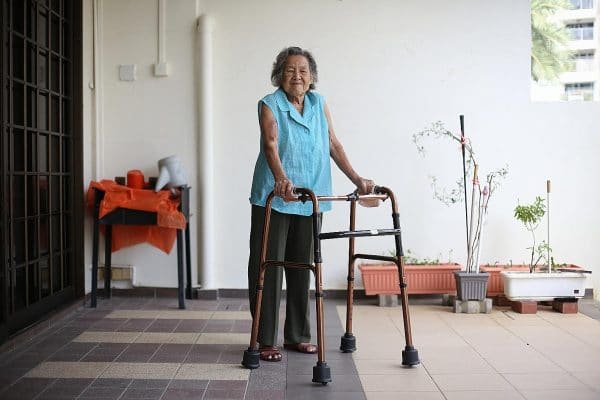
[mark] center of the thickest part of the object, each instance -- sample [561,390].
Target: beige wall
[387,70]
[144,120]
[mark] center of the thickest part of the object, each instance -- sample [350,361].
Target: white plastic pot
[542,285]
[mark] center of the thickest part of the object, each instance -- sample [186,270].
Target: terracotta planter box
[495,283]
[420,279]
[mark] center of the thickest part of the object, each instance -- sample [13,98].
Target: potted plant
[555,281]
[423,276]
[530,216]
[471,284]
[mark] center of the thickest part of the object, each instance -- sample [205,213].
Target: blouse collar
[309,104]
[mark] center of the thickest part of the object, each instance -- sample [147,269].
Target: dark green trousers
[290,239]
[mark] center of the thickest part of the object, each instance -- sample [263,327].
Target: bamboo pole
[548,225]
[463,143]
[470,232]
[481,219]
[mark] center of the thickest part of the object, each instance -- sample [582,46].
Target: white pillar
[206,190]
[96,86]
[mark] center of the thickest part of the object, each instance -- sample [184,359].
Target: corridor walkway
[142,348]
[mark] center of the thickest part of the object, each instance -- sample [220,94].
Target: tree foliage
[549,56]
[531,215]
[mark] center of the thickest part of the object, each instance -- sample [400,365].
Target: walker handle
[376,190]
[302,193]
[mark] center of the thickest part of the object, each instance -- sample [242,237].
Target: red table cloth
[168,217]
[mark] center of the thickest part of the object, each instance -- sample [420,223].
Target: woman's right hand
[284,188]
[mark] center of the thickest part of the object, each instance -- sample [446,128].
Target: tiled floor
[140,348]
[148,349]
[502,355]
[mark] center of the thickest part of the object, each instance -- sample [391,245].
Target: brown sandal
[307,348]
[270,353]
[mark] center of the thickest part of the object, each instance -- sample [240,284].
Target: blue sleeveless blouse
[303,144]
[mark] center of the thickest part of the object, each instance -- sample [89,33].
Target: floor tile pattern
[136,348]
[142,348]
[502,355]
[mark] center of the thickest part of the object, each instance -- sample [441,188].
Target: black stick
[462,142]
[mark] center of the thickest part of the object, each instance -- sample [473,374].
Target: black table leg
[188,261]
[107,259]
[95,258]
[180,288]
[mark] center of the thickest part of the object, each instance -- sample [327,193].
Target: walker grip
[302,193]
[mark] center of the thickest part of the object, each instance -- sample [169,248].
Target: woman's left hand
[367,186]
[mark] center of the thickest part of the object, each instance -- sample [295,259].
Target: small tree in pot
[531,215]
[480,196]
[562,283]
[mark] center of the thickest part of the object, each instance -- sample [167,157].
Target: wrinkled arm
[268,130]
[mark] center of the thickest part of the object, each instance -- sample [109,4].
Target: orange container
[135,179]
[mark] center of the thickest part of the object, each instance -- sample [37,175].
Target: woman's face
[296,76]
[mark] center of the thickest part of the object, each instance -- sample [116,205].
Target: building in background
[582,81]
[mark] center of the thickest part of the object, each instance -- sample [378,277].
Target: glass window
[583,62]
[582,4]
[587,4]
[581,31]
[583,91]
[587,31]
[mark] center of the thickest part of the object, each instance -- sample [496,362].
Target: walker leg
[321,371]
[410,355]
[348,341]
[251,358]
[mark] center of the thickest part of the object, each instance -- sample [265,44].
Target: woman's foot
[270,353]
[307,348]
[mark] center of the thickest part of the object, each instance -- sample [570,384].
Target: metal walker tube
[321,371]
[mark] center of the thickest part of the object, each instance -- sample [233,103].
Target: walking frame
[321,371]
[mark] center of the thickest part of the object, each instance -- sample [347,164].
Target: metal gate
[41,189]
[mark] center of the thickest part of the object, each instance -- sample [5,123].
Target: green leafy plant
[497,264]
[531,215]
[412,259]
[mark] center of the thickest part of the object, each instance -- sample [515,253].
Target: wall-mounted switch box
[161,69]
[127,72]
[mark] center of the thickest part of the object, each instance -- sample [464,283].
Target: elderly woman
[297,141]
